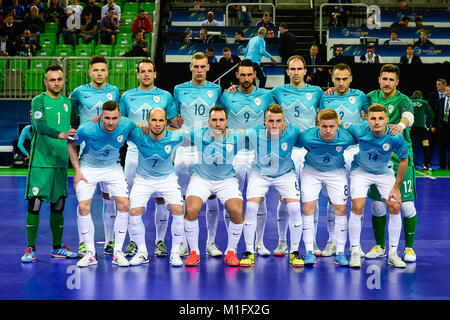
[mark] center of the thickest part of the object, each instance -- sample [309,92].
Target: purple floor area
[271,278]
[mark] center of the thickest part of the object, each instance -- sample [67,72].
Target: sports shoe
[108,249]
[409,255]
[361,253]
[376,252]
[295,260]
[131,249]
[211,250]
[341,260]
[281,250]
[192,260]
[119,259]
[395,260]
[309,258]
[425,167]
[29,255]
[63,252]
[140,257]
[81,249]
[355,259]
[261,249]
[248,259]
[89,259]
[175,259]
[231,259]
[184,250]
[160,249]
[330,249]
[317,252]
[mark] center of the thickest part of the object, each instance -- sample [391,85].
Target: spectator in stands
[210,54]
[34,22]
[423,40]
[441,126]
[53,12]
[89,29]
[77,11]
[210,21]
[27,44]
[339,58]
[418,22]
[410,57]
[186,37]
[371,56]
[139,47]
[393,39]
[197,5]
[203,33]
[67,27]
[142,22]
[6,46]
[20,9]
[11,29]
[265,22]
[244,14]
[94,10]
[38,4]
[287,46]
[339,14]
[314,75]
[270,34]
[402,23]
[433,99]
[109,27]
[3,11]
[227,62]
[239,37]
[112,5]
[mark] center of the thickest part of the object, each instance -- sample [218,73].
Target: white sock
[250,222]
[234,235]
[161,221]
[212,218]
[282,221]
[226,217]
[80,237]
[87,230]
[109,216]
[137,232]
[191,230]
[330,221]
[340,231]
[177,230]
[316,219]
[120,230]
[261,221]
[295,224]
[394,231]
[354,230]
[308,232]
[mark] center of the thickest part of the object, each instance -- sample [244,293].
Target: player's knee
[393,206]
[378,208]
[408,209]
[123,205]
[177,210]
[191,212]
[84,207]
[58,206]
[34,205]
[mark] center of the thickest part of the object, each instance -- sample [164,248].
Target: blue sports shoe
[341,260]
[29,255]
[63,252]
[310,258]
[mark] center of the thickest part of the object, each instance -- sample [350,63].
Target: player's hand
[96,119]
[69,135]
[146,129]
[433,129]
[232,89]
[26,160]
[329,91]
[180,121]
[395,195]
[273,60]
[395,129]
[77,177]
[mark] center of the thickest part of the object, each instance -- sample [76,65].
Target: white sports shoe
[139,258]
[360,252]
[409,255]
[376,252]
[261,249]
[175,259]
[211,250]
[330,249]
[355,259]
[282,249]
[395,260]
[89,259]
[317,252]
[184,250]
[120,260]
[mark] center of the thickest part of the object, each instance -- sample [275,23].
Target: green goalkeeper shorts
[48,184]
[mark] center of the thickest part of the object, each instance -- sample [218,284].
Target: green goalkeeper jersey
[395,106]
[423,114]
[49,117]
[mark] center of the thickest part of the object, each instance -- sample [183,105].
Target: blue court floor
[270,279]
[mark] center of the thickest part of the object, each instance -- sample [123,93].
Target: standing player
[88,100]
[325,167]
[214,174]
[155,174]
[372,166]
[300,102]
[52,116]
[99,164]
[194,99]
[401,118]
[273,167]
[350,104]
[246,109]
[136,105]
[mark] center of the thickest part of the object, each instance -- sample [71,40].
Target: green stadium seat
[46,51]
[132,80]
[119,50]
[13,82]
[148,37]
[83,51]
[48,39]
[105,50]
[75,78]
[79,64]
[124,39]
[51,27]
[127,18]
[63,50]
[40,64]
[118,78]
[3,64]
[21,64]
[147,6]
[34,81]
[119,65]
[61,40]
[126,28]
[132,7]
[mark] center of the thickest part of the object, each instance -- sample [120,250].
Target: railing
[224,74]
[227,22]
[155,33]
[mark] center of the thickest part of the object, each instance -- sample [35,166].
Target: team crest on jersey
[168,148]
[346,125]
[386,146]
[66,107]
[229,147]
[120,139]
[309,96]
[284,146]
[37,115]
[338,148]
[109,96]
[390,108]
[209,93]
[35,190]
[157,99]
[258,101]
[352,100]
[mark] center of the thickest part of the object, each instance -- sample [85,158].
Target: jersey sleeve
[133,136]
[83,132]
[123,105]
[407,105]
[353,129]
[322,102]
[176,100]
[364,102]
[400,147]
[171,109]
[39,120]
[116,94]
[75,100]
[299,141]
[23,135]
[429,112]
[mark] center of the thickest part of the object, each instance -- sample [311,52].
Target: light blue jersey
[194,102]
[25,134]
[155,157]
[216,156]
[300,105]
[322,155]
[273,157]
[348,106]
[256,49]
[102,148]
[375,153]
[88,101]
[246,110]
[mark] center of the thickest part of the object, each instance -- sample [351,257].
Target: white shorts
[223,189]
[286,185]
[242,163]
[360,182]
[298,157]
[144,188]
[349,154]
[335,182]
[130,171]
[111,180]
[185,158]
